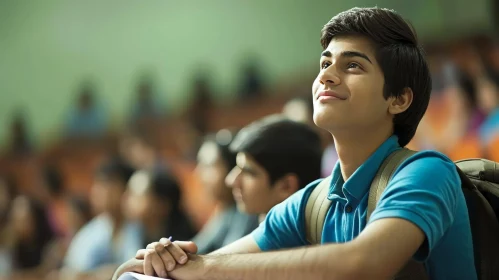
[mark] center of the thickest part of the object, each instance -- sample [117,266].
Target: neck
[262,217]
[355,147]
[117,220]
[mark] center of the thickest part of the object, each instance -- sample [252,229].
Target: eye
[325,64]
[353,65]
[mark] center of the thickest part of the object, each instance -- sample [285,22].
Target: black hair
[53,180]
[29,254]
[164,186]
[10,185]
[282,146]
[116,169]
[82,206]
[399,55]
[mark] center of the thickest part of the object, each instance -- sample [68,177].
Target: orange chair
[468,147]
[492,150]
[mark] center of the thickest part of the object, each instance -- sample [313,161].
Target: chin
[325,120]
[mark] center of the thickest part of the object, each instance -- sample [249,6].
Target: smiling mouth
[329,95]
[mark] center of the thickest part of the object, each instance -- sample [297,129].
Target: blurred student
[139,149]
[32,236]
[87,119]
[227,224]
[108,238]
[154,199]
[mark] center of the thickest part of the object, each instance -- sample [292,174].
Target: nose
[329,76]
[232,178]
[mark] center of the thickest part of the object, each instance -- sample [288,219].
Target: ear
[400,103]
[286,186]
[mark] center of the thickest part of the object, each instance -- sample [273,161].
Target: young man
[371,92]
[275,158]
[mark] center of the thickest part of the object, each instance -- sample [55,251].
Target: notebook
[137,276]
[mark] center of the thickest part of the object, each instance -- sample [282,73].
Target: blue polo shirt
[425,190]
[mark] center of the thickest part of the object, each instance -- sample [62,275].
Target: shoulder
[300,198]
[428,166]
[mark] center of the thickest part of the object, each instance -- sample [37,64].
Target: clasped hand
[162,258]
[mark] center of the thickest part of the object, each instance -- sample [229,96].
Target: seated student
[372,89]
[226,224]
[275,158]
[108,238]
[32,236]
[153,199]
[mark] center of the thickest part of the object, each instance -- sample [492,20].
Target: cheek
[315,85]
[366,96]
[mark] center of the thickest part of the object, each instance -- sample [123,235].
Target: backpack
[480,186]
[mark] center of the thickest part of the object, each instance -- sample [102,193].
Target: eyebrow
[348,54]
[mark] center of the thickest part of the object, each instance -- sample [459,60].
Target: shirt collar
[358,184]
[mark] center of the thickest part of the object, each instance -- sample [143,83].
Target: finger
[187,246]
[166,257]
[140,254]
[151,245]
[178,254]
[153,265]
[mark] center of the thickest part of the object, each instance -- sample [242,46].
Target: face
[22,218]
[136,152]
[251,187]
[348,92]
[140,205]
[107,195]
[212,170]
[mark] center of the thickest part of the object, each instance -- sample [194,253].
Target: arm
[379,252]
[244,245]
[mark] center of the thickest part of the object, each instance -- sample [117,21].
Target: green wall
[48,47]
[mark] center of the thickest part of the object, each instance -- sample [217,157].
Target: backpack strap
[412,270]
[316,210]
[383,176]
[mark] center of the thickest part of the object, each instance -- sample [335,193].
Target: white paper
[137,276]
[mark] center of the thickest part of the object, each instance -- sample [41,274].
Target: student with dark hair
[31,236]
[371,92]
[275,158]
[154,199]
[139,148]
[54,198]
[109,238]
[226,225]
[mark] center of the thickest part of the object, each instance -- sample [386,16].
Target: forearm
[242,246]
[332,261]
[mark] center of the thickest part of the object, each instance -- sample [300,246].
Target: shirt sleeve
[284,225]
[424,190]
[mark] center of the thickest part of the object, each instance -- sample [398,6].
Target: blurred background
[90,88]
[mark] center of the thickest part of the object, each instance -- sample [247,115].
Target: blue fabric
[425,190]
[489,128]
[93,246]
[90,123]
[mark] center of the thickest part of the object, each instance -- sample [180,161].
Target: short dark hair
[282,146]
[116,169]
[399,55]
[53,179]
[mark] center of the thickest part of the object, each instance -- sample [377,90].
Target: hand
[132,265]
[161,257]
